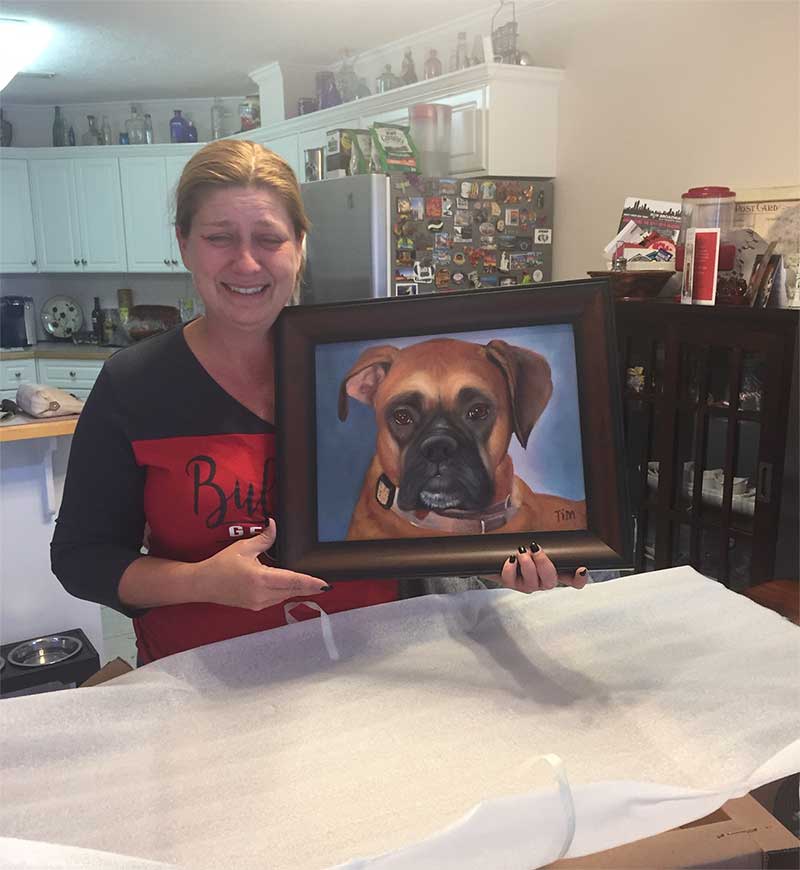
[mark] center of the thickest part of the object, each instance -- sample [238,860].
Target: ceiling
[151,49]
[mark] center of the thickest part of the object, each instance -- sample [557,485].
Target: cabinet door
[55,212]
[100,214]
[17,246]
[146,207]
[174,169]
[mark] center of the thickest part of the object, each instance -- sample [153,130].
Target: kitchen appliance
[17,321]
[377,235]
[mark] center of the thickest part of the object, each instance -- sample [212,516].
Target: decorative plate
[62,316]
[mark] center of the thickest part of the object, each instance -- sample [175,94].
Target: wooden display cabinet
[707,395]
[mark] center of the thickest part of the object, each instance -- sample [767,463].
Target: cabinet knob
[76,262]
[33,262]
[72,374]
[83,261]
[166,262]
[17,374]
[174,262]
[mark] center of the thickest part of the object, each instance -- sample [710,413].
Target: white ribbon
[325,624]
[565,793]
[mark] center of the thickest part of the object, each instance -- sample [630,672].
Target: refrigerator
[399,235]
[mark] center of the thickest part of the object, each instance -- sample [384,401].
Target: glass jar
[703,207]
[134,127]
[92,136]
[148,130]
[387,80]
[105,129]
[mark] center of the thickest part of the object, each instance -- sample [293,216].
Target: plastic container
[708,207]
[431,125]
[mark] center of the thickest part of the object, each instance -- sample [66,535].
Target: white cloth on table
[664,695]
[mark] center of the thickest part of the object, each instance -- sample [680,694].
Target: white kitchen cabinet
[77,209]
[148,199]
[13,373]
[505,118]
[288,148]
[17,241]
[74,376]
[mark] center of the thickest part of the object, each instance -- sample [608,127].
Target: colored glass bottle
[433,66]
[178,128]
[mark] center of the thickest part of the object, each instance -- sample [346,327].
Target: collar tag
[385,492]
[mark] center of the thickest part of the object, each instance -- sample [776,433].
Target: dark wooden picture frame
[586,306]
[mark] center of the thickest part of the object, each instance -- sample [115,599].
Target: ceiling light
[21,42]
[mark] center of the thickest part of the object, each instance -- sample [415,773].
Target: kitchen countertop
[22,427]
[60,350]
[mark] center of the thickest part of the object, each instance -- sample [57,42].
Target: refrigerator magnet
[543,237]
[406,288]
[433,207]
[442,278]
[459,258]
[404,205]
[488,190]
[447,206]
[462,203]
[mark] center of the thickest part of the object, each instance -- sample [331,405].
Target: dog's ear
[529,383]
[364,378]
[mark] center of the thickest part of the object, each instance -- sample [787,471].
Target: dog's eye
[402,417]
[478,412]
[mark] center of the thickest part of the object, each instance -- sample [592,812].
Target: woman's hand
[530,570]
[235,577]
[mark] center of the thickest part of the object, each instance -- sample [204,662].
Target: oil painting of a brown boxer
[446,412]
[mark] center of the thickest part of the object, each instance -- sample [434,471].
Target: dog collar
[454,521]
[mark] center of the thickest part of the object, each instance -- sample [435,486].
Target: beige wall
[662,95]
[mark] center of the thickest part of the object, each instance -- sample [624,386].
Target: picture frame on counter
[414,443]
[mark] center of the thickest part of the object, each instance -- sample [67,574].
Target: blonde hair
[239,163]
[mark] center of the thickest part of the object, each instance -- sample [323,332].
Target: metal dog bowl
[45,651]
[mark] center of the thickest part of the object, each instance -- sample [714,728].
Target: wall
[661,96]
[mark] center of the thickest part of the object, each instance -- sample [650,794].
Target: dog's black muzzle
[443,469]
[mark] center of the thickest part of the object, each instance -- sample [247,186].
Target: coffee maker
[17,321]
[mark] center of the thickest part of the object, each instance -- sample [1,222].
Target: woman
[176,443]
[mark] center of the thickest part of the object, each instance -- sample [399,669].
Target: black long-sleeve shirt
[163,456]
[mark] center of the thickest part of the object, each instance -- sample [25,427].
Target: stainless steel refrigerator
[378,235]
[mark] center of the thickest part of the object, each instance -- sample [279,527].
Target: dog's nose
[438,447]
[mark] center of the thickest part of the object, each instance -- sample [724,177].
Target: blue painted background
[553,462]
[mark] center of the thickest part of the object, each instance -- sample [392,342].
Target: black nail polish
[521,550]
[535,547]
[582,572]
[512,558]
[326,589]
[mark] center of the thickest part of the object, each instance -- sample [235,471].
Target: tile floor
[118,637]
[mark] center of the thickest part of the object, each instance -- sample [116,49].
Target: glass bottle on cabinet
[134,127]
[59,129]
[105,129]
[148,129]
[92,136]
[433,66]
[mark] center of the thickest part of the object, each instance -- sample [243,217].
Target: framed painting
[433,435]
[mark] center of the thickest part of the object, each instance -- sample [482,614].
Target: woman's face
[243,254]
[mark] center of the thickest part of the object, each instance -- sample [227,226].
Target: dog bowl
[636,284]
[44,651]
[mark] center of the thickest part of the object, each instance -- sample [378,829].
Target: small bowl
[44,651]
[636,284]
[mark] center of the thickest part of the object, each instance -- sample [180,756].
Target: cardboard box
[115,668]
[741,834]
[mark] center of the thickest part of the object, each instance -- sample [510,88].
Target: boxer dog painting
[446,411]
